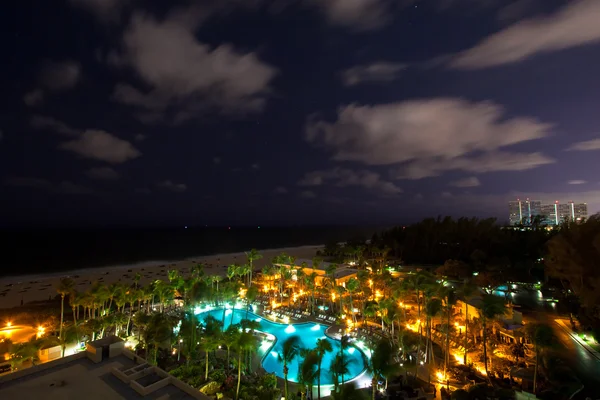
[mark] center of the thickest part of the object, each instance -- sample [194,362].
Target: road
[585,366]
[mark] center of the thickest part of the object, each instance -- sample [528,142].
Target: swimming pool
[308,332]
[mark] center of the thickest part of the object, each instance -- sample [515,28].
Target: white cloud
[435,130]
[587,145]
[64,187]
[42,122]
[60,75]
[34,98]
[466,182]
[344,177]
[174,187]
[101,145]
[186,77]
[359,15]
[489,162]
[103,173]
[281,190]
[576,24]
[380,71]
[576,182]
[307,194]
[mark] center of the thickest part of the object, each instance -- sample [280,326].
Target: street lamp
[179,350]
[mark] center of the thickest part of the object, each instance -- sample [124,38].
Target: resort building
[105,371]
[342,272]
[509,326]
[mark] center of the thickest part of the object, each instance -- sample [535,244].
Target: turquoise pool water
[308,332]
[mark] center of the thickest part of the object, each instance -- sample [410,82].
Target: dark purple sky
[295,111]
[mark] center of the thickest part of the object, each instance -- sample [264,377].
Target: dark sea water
[50,251]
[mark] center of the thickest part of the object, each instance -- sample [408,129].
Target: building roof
[344,272]
[78,377]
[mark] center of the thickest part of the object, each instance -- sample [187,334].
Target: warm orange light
[440,375]
[370,282]
[8,324]
[456,324]
[333,296]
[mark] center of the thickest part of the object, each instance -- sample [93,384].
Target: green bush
[217,375]
[269,381]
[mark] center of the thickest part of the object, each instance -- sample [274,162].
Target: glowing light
[228,311]
[40,331]
[456,324]
[290,329]
[440,376]
[258,319]
[274,353]
[333,296]
[316,327]
[351,350]
[8,324]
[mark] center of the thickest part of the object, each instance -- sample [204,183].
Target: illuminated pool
[308,332]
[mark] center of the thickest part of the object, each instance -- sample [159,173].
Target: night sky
[131,112]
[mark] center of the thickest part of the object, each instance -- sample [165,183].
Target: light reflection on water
[308,332]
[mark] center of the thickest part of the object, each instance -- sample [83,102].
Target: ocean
[49,251]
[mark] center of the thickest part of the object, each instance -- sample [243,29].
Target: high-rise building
[524,212]
[580,211]
[549,213]
[515,215]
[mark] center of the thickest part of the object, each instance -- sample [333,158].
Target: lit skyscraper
[523,212]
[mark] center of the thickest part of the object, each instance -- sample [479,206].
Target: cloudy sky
[295,111]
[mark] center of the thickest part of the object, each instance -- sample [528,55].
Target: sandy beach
[17,290]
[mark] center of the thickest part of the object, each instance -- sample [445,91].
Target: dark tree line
[474,241]
[574,260]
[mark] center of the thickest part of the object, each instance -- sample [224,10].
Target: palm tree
[323,347]
[344,343]
[74,299]
[308,370]
[449,302]
[246,342]
[381,363]
[466,292]
[339,367]
[289,351]
[542,337]
[491,308]
[352,285]
[230,337]
[158,331]
[432,308]
[65,287]
[209,343]
[251,256]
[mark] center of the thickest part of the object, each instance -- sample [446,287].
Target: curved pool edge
[268,351]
